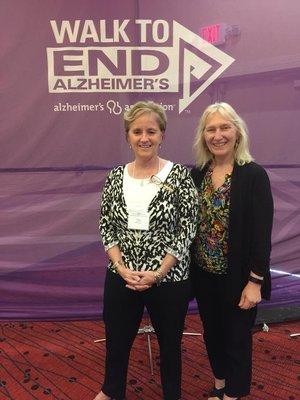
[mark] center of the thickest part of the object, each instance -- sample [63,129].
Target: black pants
[227,335]
[123,311]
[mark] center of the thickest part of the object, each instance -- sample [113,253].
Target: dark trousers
[123,311]
[227,334]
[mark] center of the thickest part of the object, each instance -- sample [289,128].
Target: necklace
[143,181]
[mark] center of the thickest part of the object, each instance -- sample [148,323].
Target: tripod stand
[148,329]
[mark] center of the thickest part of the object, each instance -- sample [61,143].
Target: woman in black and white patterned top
[148,220]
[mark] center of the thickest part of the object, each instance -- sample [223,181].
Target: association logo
[132,56]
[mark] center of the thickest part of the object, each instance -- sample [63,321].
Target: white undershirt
[138,193]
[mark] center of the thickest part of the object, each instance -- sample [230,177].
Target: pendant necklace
[143,181]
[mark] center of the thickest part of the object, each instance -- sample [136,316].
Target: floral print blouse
[212,237]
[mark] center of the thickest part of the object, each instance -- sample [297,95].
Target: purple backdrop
[68,69]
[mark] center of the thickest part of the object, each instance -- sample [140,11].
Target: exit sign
[214,34]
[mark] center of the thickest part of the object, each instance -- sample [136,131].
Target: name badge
[138,219]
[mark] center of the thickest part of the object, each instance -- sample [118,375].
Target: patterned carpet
[59,360]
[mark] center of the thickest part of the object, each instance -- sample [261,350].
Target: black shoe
[219,393]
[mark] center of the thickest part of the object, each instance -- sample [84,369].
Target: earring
[130,146]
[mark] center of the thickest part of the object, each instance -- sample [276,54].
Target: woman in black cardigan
[231,251]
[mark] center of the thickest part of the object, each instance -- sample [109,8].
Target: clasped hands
[137,280]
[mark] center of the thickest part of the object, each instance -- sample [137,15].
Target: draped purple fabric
[57,144]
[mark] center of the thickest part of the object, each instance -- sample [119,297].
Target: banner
[68,72]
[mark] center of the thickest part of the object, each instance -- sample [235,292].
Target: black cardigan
[250,226]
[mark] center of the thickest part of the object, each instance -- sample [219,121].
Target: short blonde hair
[142,107]
[241,153]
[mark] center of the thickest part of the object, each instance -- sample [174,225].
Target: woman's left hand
[147,279]
[251,295]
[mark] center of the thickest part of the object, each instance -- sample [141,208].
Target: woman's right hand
[134,279]
[128,275]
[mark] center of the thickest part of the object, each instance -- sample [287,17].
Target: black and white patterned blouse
[173,223]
